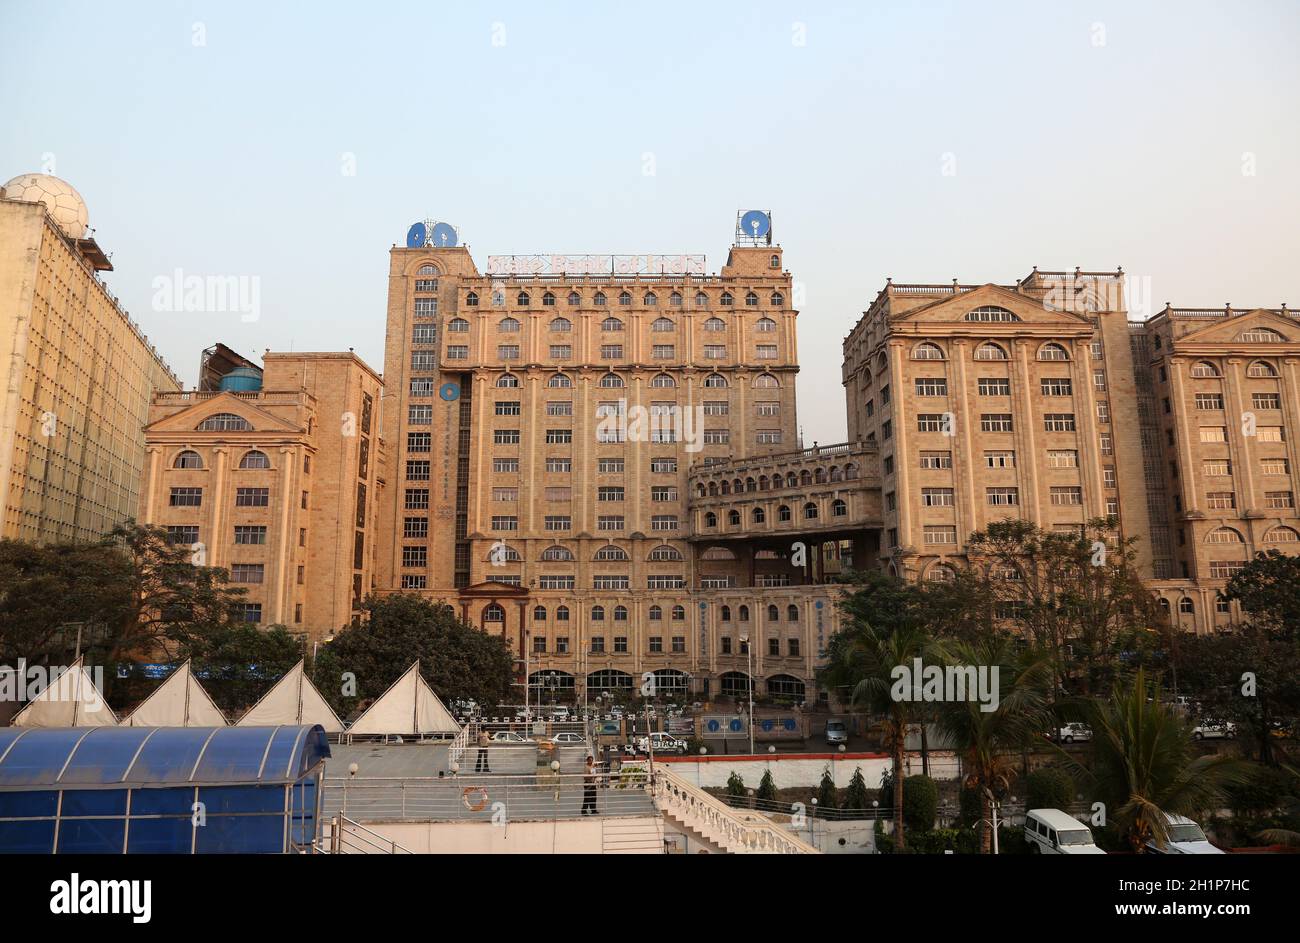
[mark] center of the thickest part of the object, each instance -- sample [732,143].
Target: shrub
[1049,788]
[827,794]
[856,796]
[735,785]
[767,786]
[920,803]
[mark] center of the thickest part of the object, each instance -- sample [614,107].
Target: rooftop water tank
[242,380]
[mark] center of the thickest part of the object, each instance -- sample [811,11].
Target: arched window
[663,325]
[559,381]
[751,299]
[783,513]
[679,613]
[1282,535]
[611,381]
[990,351]
[471,299]
[620,613]
[1224,535]
[457,326]
[664,552]
[557,553]
[656,614]
[765,381]
[819,476]
[188,459]
[625,298]
[507,381]
[508,326]
[255,459]
[1186,606]
[837,473]
[733,517]
[574,299]
[701,300]
[650,299]
[675,299]
[561,325]
[597,613]
[225,422]
[927,351]
[501,553]
[539,613]
[599,299]
[792,613]
[759,515]
[991,313]
[494,613]
[725,613]
[715,324]
[715,381]
[1051,351]
[777,300]
[662,381]
[498,299]
[810,511]
[710,519]
[428,269]
[1261,368]
[850,472]
[773,614]
[839,508]
[1261,335]
[743,613]
[611,324]
[522,299]
[726,299]
[1203,369]
[548,299]
[940,573]
[561,613]
[765,325]
[774,261]
[611,552]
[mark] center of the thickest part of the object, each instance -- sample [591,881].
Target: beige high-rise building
[1041,401]
[546,426]
[76,374]
[274,476]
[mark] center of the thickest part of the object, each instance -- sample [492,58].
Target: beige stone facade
[1041,401]
[76,378]
[278,485]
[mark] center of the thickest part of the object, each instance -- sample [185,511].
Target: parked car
[1053,832]
[568,739]
[1185,838]
[1069,733]
[837,732]
[559,712]
[1214,730]
[662,743]
[509,736]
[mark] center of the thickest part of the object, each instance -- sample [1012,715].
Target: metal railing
[347,837]
[486,798]
[732,831]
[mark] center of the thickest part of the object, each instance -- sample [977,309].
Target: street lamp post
[749,684]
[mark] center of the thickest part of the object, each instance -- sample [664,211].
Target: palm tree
[1145,768]
[865,661]
[988,741]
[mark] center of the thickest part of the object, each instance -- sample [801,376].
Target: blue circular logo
[817,604]
[755,224]
[449,391]
[736,725]
[713,726]
[767,724]
[416,236]
[703,606]
[443,235]
[789,723]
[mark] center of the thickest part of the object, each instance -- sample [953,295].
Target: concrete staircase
[632,836]
[732,831]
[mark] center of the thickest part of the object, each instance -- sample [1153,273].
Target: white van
[1185,838]
[1053,832]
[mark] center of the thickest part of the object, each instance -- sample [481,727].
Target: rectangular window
[1275,466]
[508,351]
[715,407]
[1058,422]
[931,386]
[188,534]
[1270,433]
[505,494]
[559,436]
[936,497]
[930,422]
[1099,380]
[598,644]
[247,572]
[1221,500]
[610,493]
[561,465]
[1108,476]
[679,644]
[561,351]
[248,534]
[415,528]
[936,460]
[1067,496]
[505,466]
[660,466]
[1217,468]
[1107,446]
[717,436]
[252,497]
[610,466]
[656,644]
[424,334]
[995,422]
[715,352]
[417,499]
[1225,569]
[415,581]
[1055,386]
[457,352]
[994,386]
[663,493]
[611,351]
[556,582]
[768,409]
[418,415]
[1003,497]
[663,522]
[1266,400]
[1279,500]
[507,408]
[610,522]
[186,498]
[505,437]
[1209,401]
[663,351]
[768,436]
[940,534]
[558,522]
[1214,434]
[559,494]
[419,441]
[1062,458]
[248,612]
[417,469]
[1000,459]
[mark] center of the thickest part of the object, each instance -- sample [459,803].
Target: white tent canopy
[293,700]
[70,700]
[408,707]
[180,701]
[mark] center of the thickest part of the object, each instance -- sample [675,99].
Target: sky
[292,144]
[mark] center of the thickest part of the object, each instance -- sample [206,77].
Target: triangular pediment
[492,588]
[954,308]
[188,419]
[1229,330]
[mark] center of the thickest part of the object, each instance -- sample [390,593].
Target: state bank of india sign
[595,265]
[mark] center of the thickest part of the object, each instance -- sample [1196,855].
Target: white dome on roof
[61,200]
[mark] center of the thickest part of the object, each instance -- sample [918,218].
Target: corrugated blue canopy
[157,756]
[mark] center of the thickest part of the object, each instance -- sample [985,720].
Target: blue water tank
[242,380]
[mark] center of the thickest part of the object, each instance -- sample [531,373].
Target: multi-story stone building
[275,478]
[76,374]
[1041,401]
[546,426]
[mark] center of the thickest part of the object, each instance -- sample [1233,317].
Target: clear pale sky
[1161,137]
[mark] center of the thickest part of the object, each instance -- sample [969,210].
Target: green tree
[1049,788]
[767,787]
[735,786]
[1143,765]
[1268,588]
[921,804]
[986,740]
[457,659]
[856,796]
[240,662]
[827,794]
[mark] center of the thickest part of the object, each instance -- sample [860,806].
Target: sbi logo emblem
[449,392]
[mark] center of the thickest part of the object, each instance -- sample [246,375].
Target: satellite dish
[416,236]
[756,224]
[443,236]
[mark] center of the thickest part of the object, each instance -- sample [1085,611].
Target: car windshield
[1073,836]
[1188,832]
[834,725]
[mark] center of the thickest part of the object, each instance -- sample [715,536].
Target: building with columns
[274,477]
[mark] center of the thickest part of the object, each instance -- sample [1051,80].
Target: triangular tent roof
[180,701]
[409,706]
[71,700]
[293,700]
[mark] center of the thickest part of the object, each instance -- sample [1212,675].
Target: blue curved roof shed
[169,790]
